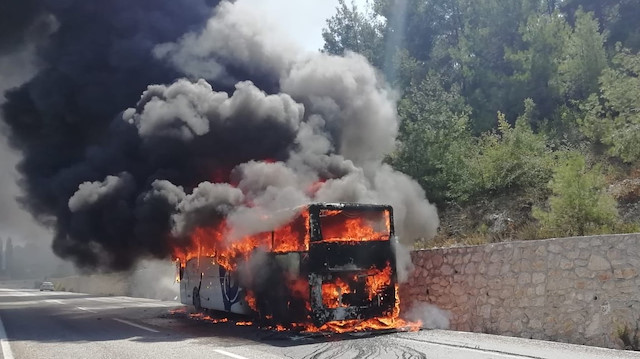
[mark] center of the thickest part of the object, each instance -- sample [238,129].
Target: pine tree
[583,60]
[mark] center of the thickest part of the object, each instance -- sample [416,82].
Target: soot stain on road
[365,350]
[324,345]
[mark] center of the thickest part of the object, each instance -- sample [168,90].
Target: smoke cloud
[430,315]
[16,67]
[149,120]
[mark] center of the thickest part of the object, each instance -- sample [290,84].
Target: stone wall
[580,290]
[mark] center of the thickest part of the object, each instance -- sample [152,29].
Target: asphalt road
[68,325]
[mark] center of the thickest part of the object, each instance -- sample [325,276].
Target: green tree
[489,28]
[352,30]
[613,115]
[619,17]
[583,60]
[434,135]
[579,204]
[545,36]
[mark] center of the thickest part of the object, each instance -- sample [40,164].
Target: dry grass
[441,241]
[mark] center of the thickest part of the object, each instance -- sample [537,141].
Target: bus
[329,262]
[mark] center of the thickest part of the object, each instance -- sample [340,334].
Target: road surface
[36,324]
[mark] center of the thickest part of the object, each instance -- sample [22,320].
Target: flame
[332,293]
[377,280]
[178,311]
[250,298]
[208,318]
[341,226]
[213,244]
[391,321]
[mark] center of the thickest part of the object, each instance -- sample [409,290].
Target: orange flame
[332,293]
[250,298]
[377,280]
[208,318]
[337,226]
[212,244]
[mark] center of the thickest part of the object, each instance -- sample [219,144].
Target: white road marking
[55,301]
[129,301]
[87,310]
[4,343]
[32,293]
[136,325]
[224,352]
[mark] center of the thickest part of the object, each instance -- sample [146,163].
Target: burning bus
[330,267]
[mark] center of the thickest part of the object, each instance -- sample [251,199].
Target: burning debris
[152,131]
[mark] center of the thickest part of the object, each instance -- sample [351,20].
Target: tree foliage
[583,59]
[513,158]
[563,76]
[434,137]
[352,30]
[613,116]
[579,204]
[536,65]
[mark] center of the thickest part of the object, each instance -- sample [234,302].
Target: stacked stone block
[580,290]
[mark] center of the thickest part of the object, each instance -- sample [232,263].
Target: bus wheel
[196,299]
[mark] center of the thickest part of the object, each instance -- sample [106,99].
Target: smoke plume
[150,119]
[429,315]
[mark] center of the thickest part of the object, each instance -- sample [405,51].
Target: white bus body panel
[219,289]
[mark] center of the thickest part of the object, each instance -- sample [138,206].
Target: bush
[511,159]
[579,204]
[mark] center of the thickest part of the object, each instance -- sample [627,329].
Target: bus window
[354,225]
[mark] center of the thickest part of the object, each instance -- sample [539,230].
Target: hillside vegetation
[520,119]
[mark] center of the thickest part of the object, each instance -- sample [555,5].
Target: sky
[301,20]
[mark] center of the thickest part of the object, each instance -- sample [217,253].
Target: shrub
[514,158]
[579,204]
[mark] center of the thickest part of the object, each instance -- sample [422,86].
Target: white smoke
[235,35]
[89,193]
[155,279]
[430,315]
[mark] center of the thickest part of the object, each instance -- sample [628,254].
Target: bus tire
[196,299]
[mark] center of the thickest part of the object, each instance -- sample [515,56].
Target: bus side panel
[210,291]
[220,289]
[190,280]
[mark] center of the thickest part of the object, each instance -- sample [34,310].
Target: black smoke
[95,64]
[149,118]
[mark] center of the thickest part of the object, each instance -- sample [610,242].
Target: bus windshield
[349,225]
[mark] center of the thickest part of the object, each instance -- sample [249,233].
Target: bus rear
[331,267]
[351,263]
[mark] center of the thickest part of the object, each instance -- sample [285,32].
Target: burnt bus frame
[325,261]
